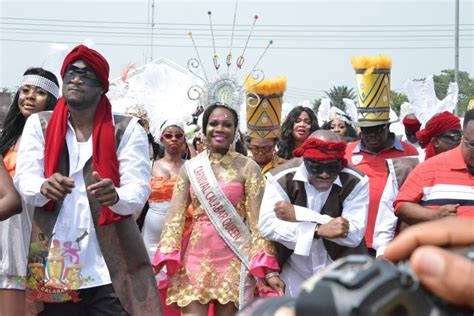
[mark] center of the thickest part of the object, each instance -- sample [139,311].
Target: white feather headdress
[160,87]
[405,109]
[423,100]
[327,113]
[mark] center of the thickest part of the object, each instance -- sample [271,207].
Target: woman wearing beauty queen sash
[224,254]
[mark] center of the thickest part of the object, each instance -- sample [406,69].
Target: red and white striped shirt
[440,180]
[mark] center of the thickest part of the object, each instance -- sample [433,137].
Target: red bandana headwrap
[411,124]
[104,157]
[437,126]
[321,150]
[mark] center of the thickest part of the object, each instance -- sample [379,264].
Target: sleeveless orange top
[161,189]
[10,161]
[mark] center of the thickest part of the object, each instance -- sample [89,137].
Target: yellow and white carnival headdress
[225,88]
[264,111]
[373,89]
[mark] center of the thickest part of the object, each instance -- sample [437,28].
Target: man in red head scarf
[412,125]
[441,133]
[314,208]
[442,185]
[86,171]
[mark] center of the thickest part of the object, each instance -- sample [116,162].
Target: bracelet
[316,232]
[271,275]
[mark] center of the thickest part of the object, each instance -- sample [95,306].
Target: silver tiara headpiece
[225,88]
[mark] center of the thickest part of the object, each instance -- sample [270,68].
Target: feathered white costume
[327,113]
[424,102]
[160,87]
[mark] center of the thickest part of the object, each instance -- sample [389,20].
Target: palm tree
[337,93]
[316,104]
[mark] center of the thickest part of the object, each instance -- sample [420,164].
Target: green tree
[316,104]
[397,99]
[337,93]
[466,87]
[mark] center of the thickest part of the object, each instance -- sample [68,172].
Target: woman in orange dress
[164,174]
[9,198]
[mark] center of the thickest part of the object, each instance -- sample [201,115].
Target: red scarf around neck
[104,156]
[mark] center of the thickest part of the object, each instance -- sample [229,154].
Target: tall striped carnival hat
[373,89]
[264,104]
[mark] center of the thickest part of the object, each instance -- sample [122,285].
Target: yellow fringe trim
[371,62]
[266,87]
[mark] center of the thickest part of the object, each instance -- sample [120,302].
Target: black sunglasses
[86,75]
[374,129]
[169,136]
[469,143]
[452,137]
[317,168]
[261,150]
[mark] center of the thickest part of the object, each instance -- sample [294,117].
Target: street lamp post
[456,50]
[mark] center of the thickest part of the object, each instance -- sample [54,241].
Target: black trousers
[96,301]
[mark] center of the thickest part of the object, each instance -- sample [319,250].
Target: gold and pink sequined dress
[204,268]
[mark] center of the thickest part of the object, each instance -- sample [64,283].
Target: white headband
[169,123]
[41,82]
[336,113]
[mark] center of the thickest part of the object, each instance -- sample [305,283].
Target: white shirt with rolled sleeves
[310,255]
[75,215]
[386,222]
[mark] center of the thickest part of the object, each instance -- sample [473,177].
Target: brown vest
[121,243]
[333,207]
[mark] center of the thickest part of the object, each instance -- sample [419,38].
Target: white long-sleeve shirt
[386,222]
[75,218]
[310,255]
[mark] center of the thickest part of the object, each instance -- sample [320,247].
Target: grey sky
[313,40]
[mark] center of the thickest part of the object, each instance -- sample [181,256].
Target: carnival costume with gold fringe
[264,112]
[202,265]
[373,89]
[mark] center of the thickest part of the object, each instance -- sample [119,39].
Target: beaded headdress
[226,87]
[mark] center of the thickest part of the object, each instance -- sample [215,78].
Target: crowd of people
[99,217]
